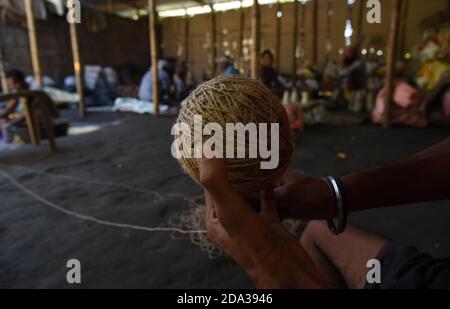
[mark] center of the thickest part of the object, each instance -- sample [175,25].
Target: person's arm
[423,177]
[11,106]
[259,243]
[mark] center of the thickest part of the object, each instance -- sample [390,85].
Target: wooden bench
[44,101]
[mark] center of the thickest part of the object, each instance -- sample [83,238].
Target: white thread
[90,218]
[186,222]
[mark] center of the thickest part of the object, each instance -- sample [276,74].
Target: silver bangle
[336,188]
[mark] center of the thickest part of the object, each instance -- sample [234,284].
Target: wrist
[269,273]
[326,203]
[286,268]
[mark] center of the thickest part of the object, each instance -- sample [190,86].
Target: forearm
[289,267]
[421,178]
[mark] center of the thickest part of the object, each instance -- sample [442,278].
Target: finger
[230,208]
[212,173]
[269,205]
[216,232]
[210,212]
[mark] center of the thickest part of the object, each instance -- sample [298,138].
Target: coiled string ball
[237,99]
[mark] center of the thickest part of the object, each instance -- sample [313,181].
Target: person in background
[269,76]
[146,87]
[353,78]
[13,111]
[226,66]
[180,81]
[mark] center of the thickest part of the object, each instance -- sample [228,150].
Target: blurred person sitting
[146,87]
[13,111]
[353,78]
[12,115]
[269,75]
[180,81]
[226,66]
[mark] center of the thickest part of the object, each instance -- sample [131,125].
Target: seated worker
[226,66]
[13,111]
[352,78]
[273,258]
[146,87]
[269,76]
[180,82]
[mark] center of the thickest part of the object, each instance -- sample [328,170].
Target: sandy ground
[37,241]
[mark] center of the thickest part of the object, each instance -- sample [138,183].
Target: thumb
[231,209]
[212,174]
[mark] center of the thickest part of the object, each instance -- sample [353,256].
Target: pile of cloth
[407,109]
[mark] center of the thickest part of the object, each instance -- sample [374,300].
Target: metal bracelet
[336,188]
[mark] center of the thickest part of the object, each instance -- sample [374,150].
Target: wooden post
[315,10]
[295,44]
[48,123]
[361,15]
[303,32]
[256,16]
[213,39]
[154,49]
[278,37]
[404,27]
[187,34]
[31,23]
[240,48]
[32,123]
[391,59]
[110,7]
[328,40]
[78,68]
[3,81]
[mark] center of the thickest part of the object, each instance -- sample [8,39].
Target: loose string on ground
[158,196]
[190,223]
[61,209]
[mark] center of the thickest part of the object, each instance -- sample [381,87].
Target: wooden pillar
[213,40]
[256,31]
[360,25]
[404,27]
[3,82]
[240,51]
[295,44]
[278,38]
[315,33]
[328,40]
[154,49]
[32,123]
[110,7]
[31,24]
[78,68]
[186,42]
[391,61]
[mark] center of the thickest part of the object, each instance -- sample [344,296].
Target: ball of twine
[237,99]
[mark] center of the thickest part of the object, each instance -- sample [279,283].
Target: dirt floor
[36,241]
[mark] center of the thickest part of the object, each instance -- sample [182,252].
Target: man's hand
[259,243]
[303,197]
